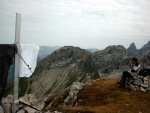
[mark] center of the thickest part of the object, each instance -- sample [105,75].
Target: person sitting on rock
[134,70]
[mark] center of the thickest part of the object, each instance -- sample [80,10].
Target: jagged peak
[132,46]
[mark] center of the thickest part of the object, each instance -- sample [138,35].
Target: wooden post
[15,103]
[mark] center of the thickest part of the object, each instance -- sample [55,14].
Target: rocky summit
[111,59]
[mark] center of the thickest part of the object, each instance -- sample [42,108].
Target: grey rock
[74,90]
[29,99]
[146,78]
[1,109]
[145,82]
[7,100]
[87,79]
[139,83]
[142,89]
[21,111]
[144,85]
[7,108]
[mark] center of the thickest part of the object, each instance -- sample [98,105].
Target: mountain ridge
[68,64]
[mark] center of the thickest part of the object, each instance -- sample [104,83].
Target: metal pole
[15,103]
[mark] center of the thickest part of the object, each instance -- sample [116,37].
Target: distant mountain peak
[145,49]
[132,46]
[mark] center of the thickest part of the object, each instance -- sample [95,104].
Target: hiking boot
[120,84]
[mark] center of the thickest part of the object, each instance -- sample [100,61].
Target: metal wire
[31,71]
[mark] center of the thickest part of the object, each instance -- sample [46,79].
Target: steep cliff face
[111,59]
[59,70]
[145,61]
[145,50]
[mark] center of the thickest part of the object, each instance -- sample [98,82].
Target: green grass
[23,85]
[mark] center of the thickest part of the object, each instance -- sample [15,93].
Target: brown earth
[103,96]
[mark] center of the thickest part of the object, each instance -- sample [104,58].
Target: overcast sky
[83,23]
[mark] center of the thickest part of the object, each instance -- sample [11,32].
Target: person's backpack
[144,72]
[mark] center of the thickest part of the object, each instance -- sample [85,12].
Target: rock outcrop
[145,61]
[28,100]
[72,97]
[139,83]
[67,98]
[6,103]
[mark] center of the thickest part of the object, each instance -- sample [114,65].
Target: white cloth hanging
[29,53]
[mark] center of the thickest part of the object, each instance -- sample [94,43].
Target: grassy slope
[103,96]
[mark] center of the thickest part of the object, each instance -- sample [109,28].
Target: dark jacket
[144,72]
[7,54]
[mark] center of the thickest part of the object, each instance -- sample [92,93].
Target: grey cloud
[62,19]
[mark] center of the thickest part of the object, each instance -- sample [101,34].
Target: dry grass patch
[103,96]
